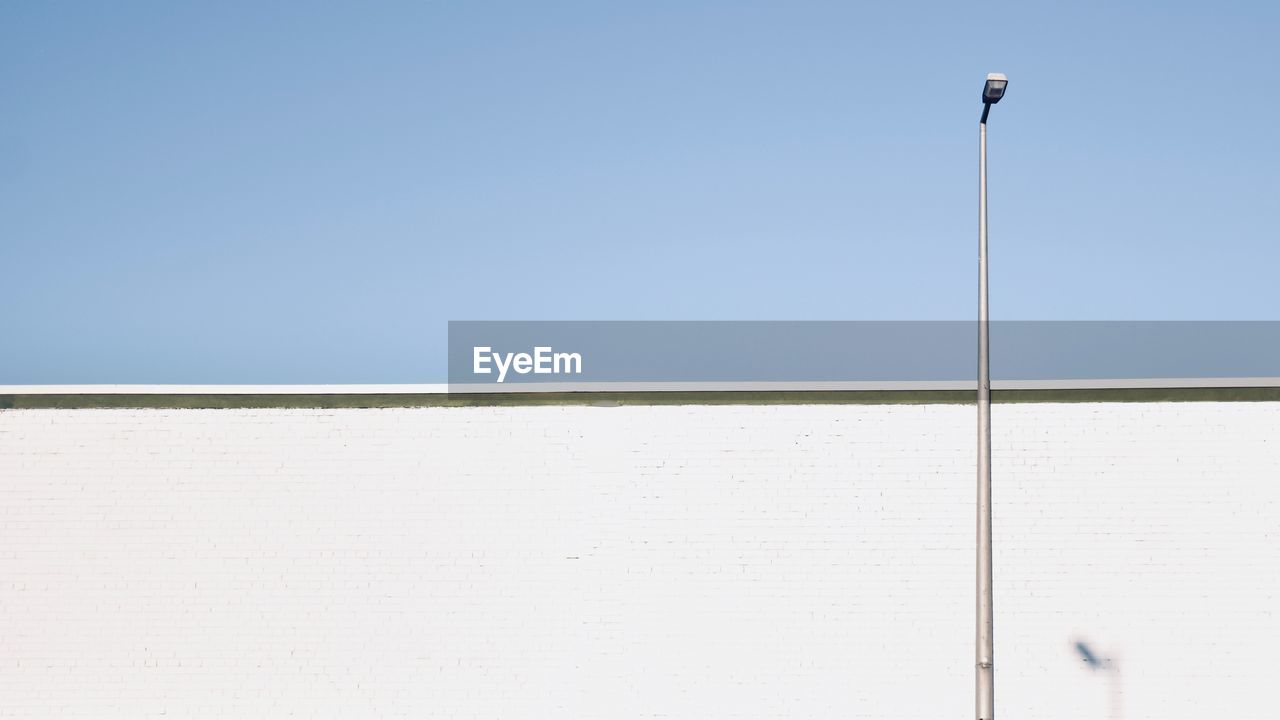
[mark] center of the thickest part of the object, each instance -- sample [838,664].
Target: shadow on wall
[1108,665]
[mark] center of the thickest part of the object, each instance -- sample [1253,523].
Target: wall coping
[614,394]
[596,387]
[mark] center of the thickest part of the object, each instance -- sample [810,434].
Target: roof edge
[339,400]
[642,387]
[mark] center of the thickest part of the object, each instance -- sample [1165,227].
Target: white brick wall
[674,562]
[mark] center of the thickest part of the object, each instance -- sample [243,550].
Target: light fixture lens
[994,89]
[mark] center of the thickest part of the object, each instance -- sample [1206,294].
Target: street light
[992,92]
[994,89]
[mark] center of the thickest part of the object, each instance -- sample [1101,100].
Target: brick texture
[635,562]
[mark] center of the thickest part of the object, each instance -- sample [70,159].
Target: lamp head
[994,89]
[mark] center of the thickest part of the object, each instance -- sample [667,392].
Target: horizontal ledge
[611,399]
[368,389]
[643,387]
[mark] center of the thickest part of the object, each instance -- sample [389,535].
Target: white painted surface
[680,562]
[533,387]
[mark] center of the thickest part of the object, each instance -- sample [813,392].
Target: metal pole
[985,621]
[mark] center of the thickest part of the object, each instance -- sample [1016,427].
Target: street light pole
[985,641]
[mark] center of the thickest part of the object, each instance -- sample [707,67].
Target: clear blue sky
[241,192]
